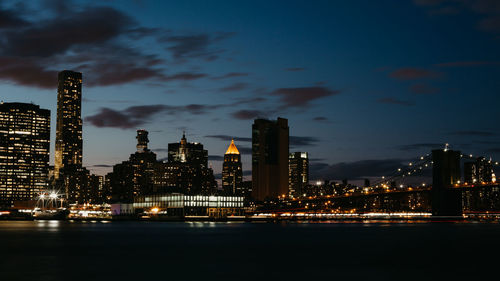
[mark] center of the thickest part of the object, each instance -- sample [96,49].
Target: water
[57,250]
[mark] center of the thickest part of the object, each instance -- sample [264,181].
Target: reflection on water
[374,250]
[48,225]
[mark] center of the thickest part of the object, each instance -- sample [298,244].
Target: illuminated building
[470,172]
[187,152]
[479,171]
[484,170]
[134,177]
[69,122]
[24,151]
[184,177]
[186,171]
[181,205]
[232,174]
[269,158]
[298,173]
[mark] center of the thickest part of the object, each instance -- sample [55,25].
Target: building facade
[187,152]
[182,205]
[298,169]
[269,158]
[24,152]
[479,171]
[134,177]
[69,141]
[232,173]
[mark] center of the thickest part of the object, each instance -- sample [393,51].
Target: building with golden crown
[232,173]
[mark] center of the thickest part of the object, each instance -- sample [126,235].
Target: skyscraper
[187,152]
[298,170]
[69,121]
[24,151]
[134,177]
[269,158]
[232,174]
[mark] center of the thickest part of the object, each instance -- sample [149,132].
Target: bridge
[450,194]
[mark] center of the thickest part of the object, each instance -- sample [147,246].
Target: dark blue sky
[358,80]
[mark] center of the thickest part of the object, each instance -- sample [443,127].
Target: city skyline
[344,104]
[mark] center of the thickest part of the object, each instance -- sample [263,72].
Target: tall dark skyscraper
[134,177]
[298,173]
[232,174]
[24,151]
[69,121]
[269,158]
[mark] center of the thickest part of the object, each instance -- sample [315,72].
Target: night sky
[365,85]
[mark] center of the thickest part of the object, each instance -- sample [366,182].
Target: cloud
[229,138]
[247,114]
[466,63]
[101,166]
[129,118]
[230,75]
[295,69]
[92,25]
[234,87]
[409,73]
[10,19]
[215,158]
[245,150]
[487,12]
[473,133]
[27,72]
[296,141]
[320,118]
[134,116]
[354,170]
[195,46]
[103,42]
[301,97]
[106,74]
[395,101]
[493,150]
[419,146]
[184,76]
[423,89]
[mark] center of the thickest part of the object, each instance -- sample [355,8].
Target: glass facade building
[269,158]
[298,173]
[178,204]
[69,140]
[24,152]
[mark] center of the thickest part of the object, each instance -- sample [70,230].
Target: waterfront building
[182,205]
[269,158]
[24,152]
[298,173]
[232,173]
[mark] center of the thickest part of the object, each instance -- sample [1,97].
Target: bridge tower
[446,201]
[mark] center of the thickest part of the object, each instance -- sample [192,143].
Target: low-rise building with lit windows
[180,205]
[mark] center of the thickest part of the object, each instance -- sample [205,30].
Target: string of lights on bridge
[422,163]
